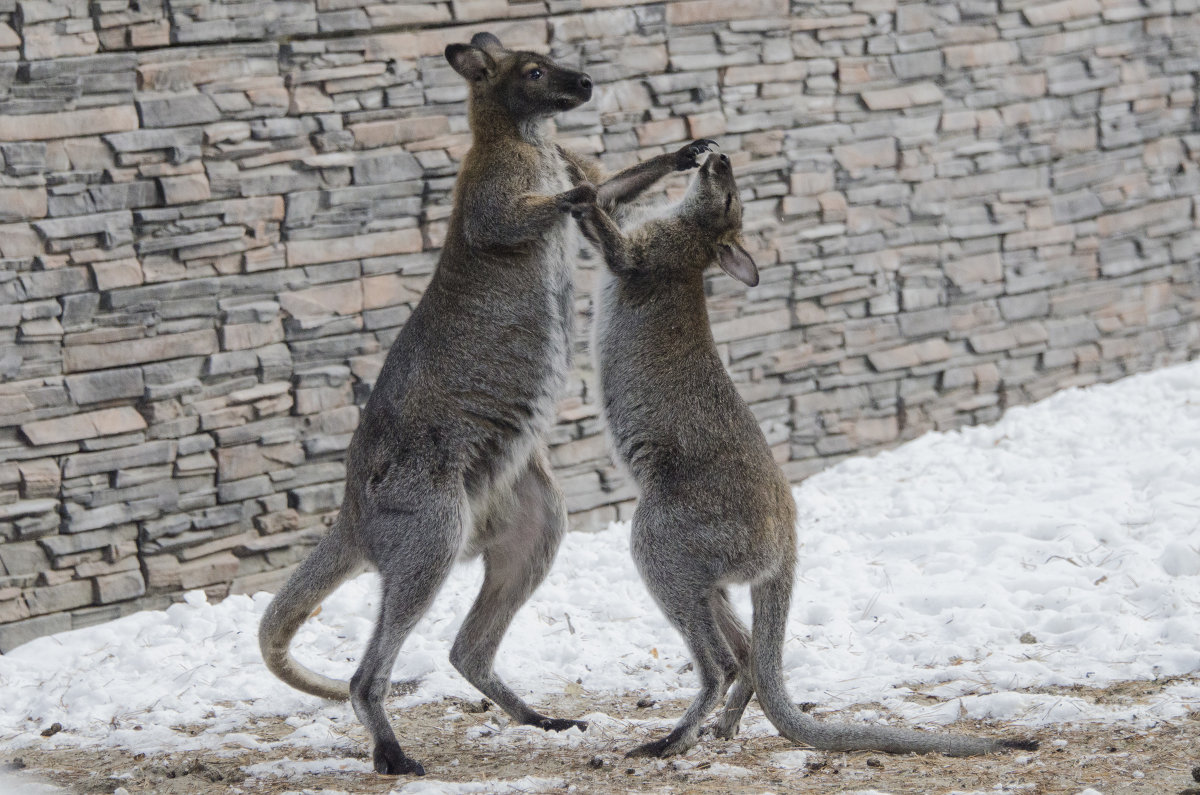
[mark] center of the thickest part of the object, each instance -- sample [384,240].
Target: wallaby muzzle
[717,166]
[575,88]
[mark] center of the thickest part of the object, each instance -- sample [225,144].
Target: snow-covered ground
[1058,547]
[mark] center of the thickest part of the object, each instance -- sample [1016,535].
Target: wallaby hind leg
[689,608]
[521,538]
[411,574]
[738,638]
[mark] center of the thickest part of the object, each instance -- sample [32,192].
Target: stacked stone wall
[215,216]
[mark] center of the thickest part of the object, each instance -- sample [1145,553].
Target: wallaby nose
[585,82]
[724,158]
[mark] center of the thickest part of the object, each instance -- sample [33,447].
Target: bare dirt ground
[1112,759]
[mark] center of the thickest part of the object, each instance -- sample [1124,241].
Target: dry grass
[1111,759]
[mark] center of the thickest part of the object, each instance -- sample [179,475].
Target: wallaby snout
[719,167]
[574,87]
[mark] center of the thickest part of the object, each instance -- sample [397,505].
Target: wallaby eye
[728,202]
[534,74]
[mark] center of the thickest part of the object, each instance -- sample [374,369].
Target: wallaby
[448,459]
[714,508]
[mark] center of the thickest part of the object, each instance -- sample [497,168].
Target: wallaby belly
[473,380]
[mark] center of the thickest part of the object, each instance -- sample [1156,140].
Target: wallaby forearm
[529,218]
[600,229]
[627,185]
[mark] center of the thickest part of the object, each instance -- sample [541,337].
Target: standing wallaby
[448,459]
[714,507]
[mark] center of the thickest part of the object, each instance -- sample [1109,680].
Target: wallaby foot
[391,761]
[677,742]
[729,721]
[559,724]
[1019,745]
[724,729]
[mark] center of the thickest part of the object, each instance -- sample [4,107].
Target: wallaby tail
[332,561]
[771,600]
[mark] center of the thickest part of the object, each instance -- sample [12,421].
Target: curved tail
[333,560]
[771,599]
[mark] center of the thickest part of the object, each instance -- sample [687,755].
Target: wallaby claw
[689,156]
[583,193]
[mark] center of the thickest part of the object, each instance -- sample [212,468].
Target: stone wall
[215,216]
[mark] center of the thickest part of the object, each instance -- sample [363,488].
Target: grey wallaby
[714,508]
[448,459]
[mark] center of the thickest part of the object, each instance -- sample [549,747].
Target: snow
[1060,546]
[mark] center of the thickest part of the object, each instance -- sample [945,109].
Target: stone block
[903,97]
[218,568]
[14,634]
[27,507]
[67,124]
[247,460]
[177,110]
[185,189]
[148,454]
[341,249]
[318,498]
[912,355]
[40,479]
[119,587]
[981,54]
[57,598]
[695,12]
[105,385]
[341,298]
[72,544]
[982,268]
[1039,14]
[394,132]
[664,131]
[385,166]
[150,349]
[242,336]
[21,204]
[84,426]
[23,557]
[864,155]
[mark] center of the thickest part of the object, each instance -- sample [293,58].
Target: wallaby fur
[448,460]
[714,508]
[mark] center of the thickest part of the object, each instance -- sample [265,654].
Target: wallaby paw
[561,724]
[391,761]
[689,156]
[583,193]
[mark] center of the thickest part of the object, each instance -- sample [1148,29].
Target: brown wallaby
[714,509]
[448,460]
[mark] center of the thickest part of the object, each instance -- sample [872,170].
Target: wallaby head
[516,85]
[713,206]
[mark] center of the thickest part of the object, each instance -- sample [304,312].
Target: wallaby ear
[486,41]
[470,62]
[736,261]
